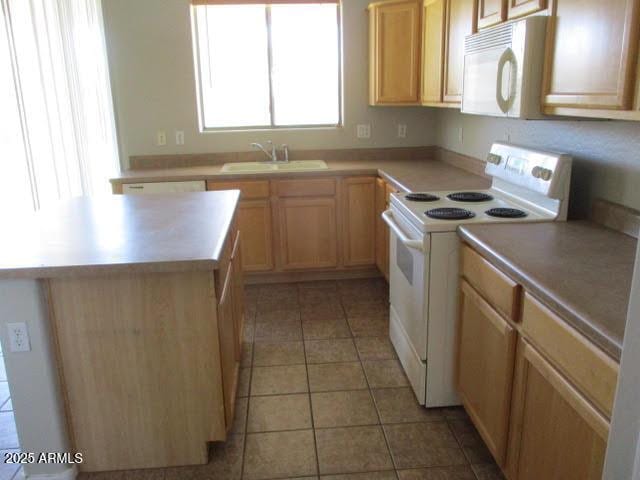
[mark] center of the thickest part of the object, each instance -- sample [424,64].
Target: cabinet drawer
[592,371]
[317,187]
[495,286]
[248,189]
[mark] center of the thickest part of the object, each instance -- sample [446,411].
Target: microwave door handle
[387,216]
[505,103]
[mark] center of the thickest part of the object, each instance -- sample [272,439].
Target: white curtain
[57,132]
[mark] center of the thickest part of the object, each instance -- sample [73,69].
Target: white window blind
[57,132]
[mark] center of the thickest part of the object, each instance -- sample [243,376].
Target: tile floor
[322,395]
[8,434]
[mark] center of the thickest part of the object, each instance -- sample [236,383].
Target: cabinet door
[394,52]
[591,54]
[382,231]
[229,358]
[308,232]
[491,12]
[486,360]
[254,222]
[520,8]
[238,295]
[558,434]
[433,21]
[461,19]
[359,217]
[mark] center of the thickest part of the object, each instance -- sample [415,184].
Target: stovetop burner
[421,197]
[470,197]
[449,213]
[506,213]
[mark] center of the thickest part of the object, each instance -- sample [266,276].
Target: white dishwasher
[164,187]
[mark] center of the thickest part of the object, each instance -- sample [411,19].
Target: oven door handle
[387,216]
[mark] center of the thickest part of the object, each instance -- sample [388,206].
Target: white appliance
[164,187]
[528,186]
[503,70]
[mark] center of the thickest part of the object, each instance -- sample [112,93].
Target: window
[57,130]
[268,66]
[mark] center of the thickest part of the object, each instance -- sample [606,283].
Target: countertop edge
[573,317]
[69,271]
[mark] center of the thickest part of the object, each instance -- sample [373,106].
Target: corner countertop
[408,175]
[580,270]
[119,234]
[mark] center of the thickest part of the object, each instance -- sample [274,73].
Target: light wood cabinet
[238,295]
[521,8]
[227,333]
[359,221]
[461,21]
[254,222]
[394,52]
[485,367]
[539,393]
[558,434]
[433,33]
[308,232]
[382,231]
[591,55]
[491,12]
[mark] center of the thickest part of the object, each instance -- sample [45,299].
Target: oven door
[409,264]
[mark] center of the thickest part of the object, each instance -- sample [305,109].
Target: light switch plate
[161,138]
[179,137]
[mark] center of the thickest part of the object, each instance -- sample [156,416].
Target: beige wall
[151,64]
[606,153]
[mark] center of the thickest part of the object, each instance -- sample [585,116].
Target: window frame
[198,80]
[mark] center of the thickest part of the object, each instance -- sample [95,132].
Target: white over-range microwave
[503,70]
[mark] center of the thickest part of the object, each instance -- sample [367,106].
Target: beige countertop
[410,175]
[580,270]
[119,234]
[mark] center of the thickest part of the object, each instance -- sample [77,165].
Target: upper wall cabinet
[433,31]
[591,58]
[445,25]
[460,22]
[491,12]
[394,51]
[520,8]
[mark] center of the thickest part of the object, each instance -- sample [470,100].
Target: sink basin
[302,165]
[268,167]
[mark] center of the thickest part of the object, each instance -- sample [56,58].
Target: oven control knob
[493,158]
[542,173]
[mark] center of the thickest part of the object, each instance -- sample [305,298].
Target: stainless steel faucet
[273,156]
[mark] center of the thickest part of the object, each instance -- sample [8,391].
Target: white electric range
[527,186]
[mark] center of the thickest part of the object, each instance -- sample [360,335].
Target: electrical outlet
[461,135]
[507,137]
[18,337]
[179,137]
[161,138]
[402,130]
[364,131]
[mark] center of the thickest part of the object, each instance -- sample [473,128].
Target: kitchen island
[143,300]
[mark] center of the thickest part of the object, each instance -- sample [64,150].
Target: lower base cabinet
[539,393]
[557,433]
[485,369]
[308,233]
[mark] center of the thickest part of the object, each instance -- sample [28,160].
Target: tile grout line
[246,423]
[313,423]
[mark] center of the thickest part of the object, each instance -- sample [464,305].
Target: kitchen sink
[270,167]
